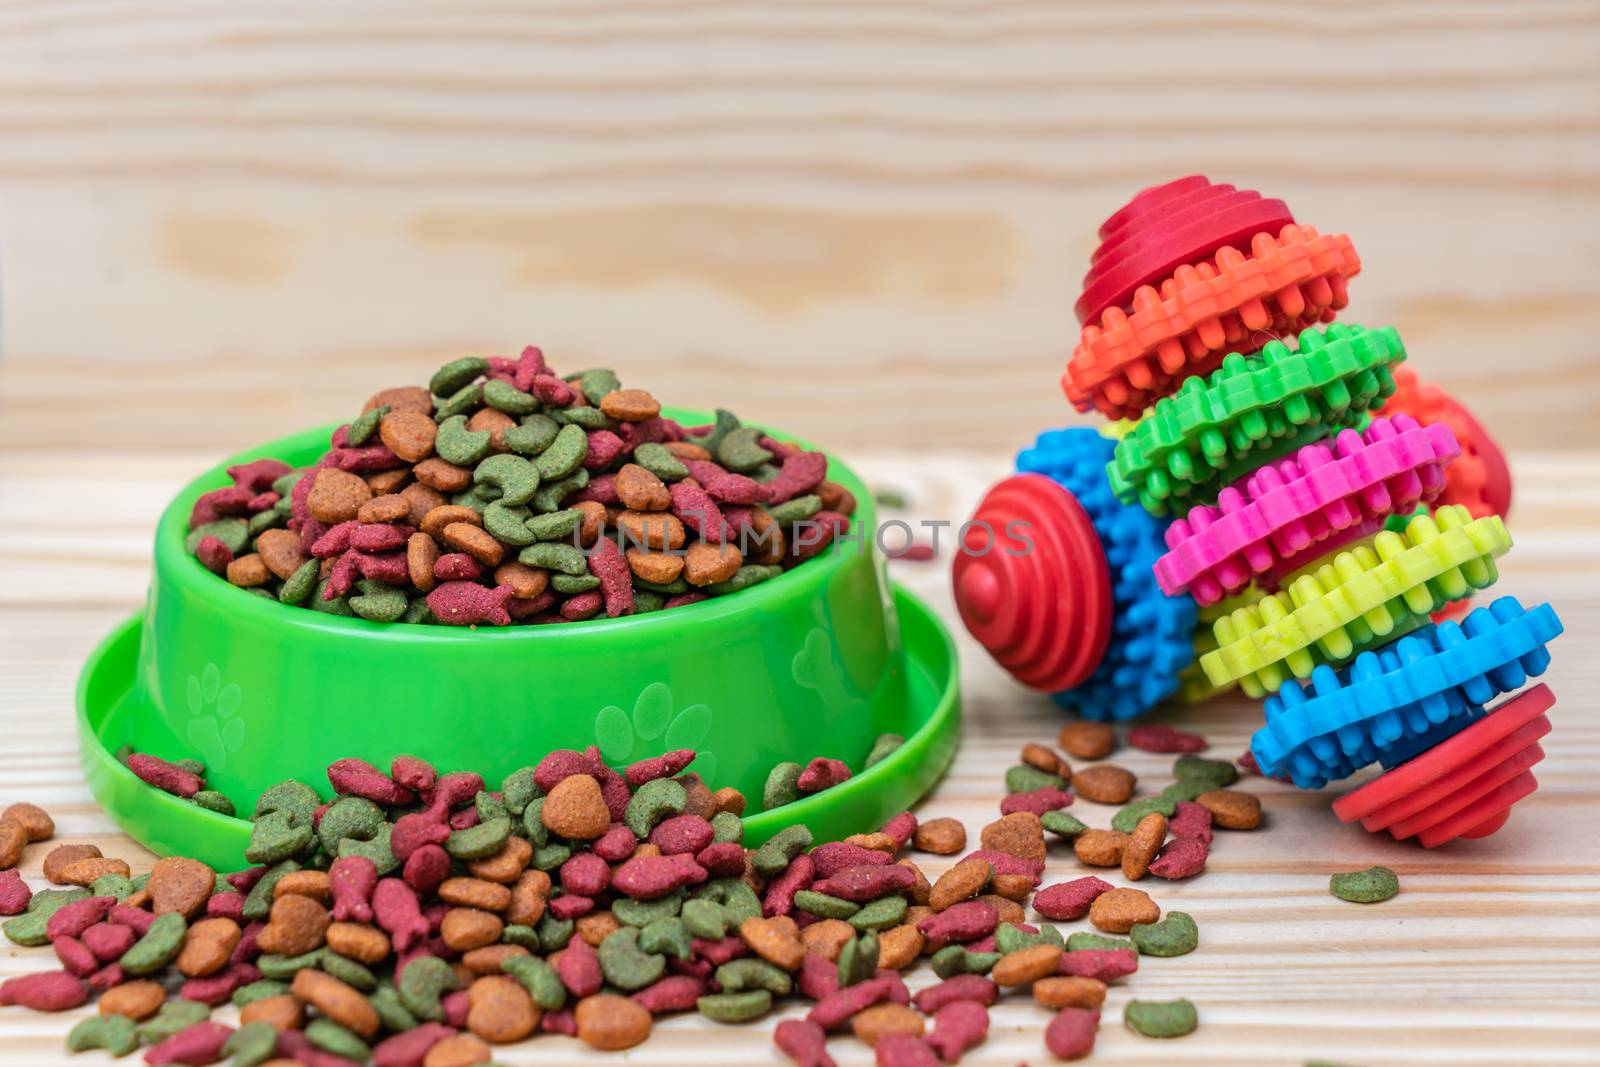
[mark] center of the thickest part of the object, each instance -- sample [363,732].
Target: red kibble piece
[426,868]
[14,893]
[615,845]
[608,564]
[259,474]
[602,489]
[804,1042]
[75,956]
[413,773]
[352,879]
[693,597]
[973,987]
[674,993]
[198,1044]
[221,503]
[163,775]
[106,977]
[1006,863]
[108,940]
[1191,820]
[818,976]
[455,1007]
[225,906]
[217,988]
[1104,964]
[1070,1035]
[49,991]
[245,880]
[822,773]
[583,606]
[75,918]
[263,501]
[1159,737]
[960,923]
[682,833]
[367,458]
[1069,900]
[1182,857]
[564,763]
[726,487]
[814,535]
[358,778]
[838,1007]
[604,446]
[530,365]
[564,1021]
[396,910]
[718,952]
[836,856]
[136,919]
[578,967]
[571,906]
[551,390]
[213,555]
[1037,801]
[868,882]
[457,567]
[801,472]
[585,874]
[958,1026]
[664,766]
[652,877]
[901,828]
[470,604]
[412,831]
[409,1047]
[724,859]
[453,790]
[334,542]
[781,890]
[247,949]
[903,1050]
[613,789]
[380,536]
[387,567]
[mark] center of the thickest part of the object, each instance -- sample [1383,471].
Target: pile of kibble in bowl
[505,493]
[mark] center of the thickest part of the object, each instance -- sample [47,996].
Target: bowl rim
[173,562]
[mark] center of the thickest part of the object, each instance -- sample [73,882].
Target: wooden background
[771,205]
[863,222]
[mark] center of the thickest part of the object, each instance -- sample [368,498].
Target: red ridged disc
[1032,585]
[1464,786]
[1166,227]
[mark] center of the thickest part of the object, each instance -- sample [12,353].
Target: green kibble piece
[956,959]
[781,848]
[582,418]
[174,1015]
[704,918]
[824,906]
[526,936]
[296,798]
[659,460]
[1220,773]
[1161,1018]
[658,799]
[726,827]
[378,602]
[595,384]
[349,971]
[1009,937]
[880,914]
[533,827]
[193,766]
[1186,789]
[331,1037]
[625,964]
[568,583]
[1062,825]
[532,437]
[746,576]
[422,983]
[116,1034]
[796,510]
[676,587]
[736,976]
[556,526]
[363,426]
[515,477]
[457,374]
[461,402]
[252,1044]
[1128,816]
[394,1015]
[503,396]
[884,747]
[888,498]
[377,850]
[726,422]
[339,605]
[1025,779]
[459,445]
[564,455]
[1083,941]
[555,556]
[477,498]
[1371,886]
[299,585]
[539,979]
[285,483]
[549,857]
[519,790]
[738,900]
[258,902]
[260,989]
[235,533]
[113,885]
[480,841]
[212,800]
[735,1007]
[418,612]
[554,933]
[1175,935]
[29,928]
[783,786]
[632,912]
[283,968]
[666,937]
[158,947]
[262,521]
[858,960]
[740,450]
[508,523]
[355,817]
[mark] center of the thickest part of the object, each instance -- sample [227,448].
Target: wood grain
[1487,957]
[778,203]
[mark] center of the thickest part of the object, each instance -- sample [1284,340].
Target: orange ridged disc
[1480,480]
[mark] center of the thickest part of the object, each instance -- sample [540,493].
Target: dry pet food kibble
[505,494]
[1371,886]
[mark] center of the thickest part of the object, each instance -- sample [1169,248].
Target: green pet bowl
[816,662]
